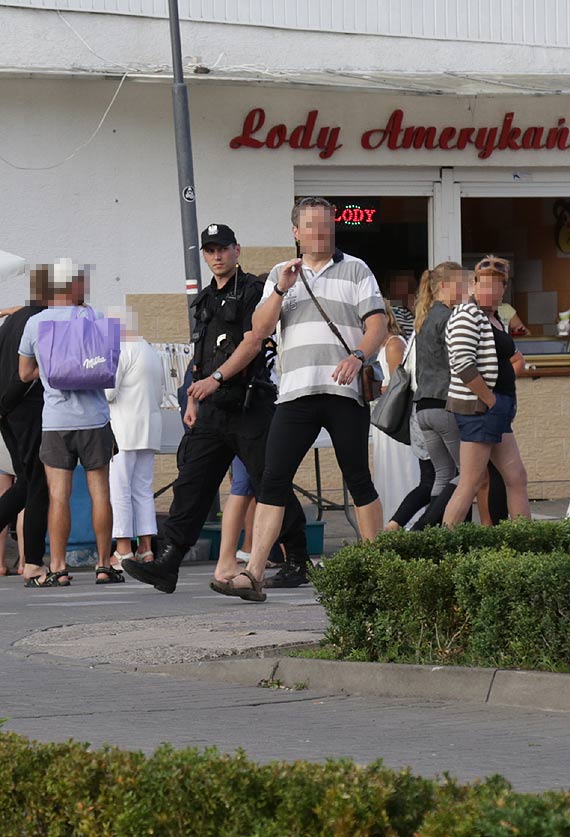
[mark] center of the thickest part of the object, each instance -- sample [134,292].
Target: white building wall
[33,38]
[502,21]
[115,203]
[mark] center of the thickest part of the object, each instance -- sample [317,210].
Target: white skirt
[396,471]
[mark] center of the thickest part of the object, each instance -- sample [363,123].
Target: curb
[497,687]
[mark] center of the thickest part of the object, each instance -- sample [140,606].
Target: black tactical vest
[219,330]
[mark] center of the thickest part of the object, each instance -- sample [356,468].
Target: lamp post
[187,194]
[186,189]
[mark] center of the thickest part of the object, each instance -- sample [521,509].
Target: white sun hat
[11,266]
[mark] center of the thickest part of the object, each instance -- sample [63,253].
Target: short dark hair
[300,203]
[41,285]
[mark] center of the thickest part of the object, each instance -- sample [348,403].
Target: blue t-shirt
[72,409]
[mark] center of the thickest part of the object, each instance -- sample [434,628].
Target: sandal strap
[120,557]
[256,584]
[35,581]
[112,571]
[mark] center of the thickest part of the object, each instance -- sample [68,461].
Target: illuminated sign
[355,215]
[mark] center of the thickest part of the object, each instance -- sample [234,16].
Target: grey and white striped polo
[308,350]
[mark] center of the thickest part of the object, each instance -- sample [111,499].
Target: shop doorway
[389,233]
[404,222]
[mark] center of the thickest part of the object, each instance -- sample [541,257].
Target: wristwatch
[217,376]
[359,355]
[278,290]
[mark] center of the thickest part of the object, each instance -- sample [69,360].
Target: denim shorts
[489,427]
[242,485]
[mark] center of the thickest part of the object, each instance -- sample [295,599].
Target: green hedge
[471,596]
[433,544]
[65,790]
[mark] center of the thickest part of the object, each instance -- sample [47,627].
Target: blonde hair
[498,260]
[429,286]
[393,327]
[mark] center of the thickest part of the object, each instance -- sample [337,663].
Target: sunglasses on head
[494,264]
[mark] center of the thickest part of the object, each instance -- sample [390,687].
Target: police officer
[230,407]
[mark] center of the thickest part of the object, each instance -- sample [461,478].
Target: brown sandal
[253,594]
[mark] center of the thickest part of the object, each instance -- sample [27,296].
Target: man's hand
[347,370]
[289,274]
[191,413]
[202,389]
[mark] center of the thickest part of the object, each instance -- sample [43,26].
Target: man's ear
[296,233]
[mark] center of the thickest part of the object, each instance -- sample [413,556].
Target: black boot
[162,573]
[293,573]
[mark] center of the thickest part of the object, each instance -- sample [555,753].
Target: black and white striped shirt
[472,352]
[405,320]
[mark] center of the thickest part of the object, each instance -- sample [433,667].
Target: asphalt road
[68,663]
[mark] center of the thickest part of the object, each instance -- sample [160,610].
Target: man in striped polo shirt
[320,382]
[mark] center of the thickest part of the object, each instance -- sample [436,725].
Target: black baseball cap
[218,234]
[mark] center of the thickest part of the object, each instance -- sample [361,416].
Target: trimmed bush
[438,597]
[65,790]
[436,542]
[60,790]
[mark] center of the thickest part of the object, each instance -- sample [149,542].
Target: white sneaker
[242,557]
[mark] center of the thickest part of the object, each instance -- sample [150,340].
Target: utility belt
[242,393]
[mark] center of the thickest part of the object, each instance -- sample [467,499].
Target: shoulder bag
[391,413]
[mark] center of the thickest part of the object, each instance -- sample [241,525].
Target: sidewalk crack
[491,686]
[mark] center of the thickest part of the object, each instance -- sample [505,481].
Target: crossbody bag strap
[408,348]
[324,314]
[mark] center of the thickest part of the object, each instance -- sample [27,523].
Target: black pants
[204,457]
[294,429]
[22,432]
[498,508]
[417,498]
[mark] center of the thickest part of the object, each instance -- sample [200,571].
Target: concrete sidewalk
[247,648]
[125,665]
[132,667]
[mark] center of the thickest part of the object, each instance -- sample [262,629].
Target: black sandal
[114,576]
[50,580]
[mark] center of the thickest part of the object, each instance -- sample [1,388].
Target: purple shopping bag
[80,353]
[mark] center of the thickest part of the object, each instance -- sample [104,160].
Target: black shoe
[288,576]
[162,573]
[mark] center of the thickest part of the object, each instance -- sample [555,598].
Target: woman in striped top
[482,394]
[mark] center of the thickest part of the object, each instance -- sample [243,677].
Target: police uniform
[232,421]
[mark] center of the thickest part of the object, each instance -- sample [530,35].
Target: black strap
[324,315]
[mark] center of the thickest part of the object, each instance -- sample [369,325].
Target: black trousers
[296,426]
[498,507]
[204,457]
[417,498]
[22,432]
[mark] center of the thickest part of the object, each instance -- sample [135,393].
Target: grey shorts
[63,448]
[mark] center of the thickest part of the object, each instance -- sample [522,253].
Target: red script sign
[395,135]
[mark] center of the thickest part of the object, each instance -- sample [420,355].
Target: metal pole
[186,180]
[184,162]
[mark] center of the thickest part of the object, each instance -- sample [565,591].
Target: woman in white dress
[396,469]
